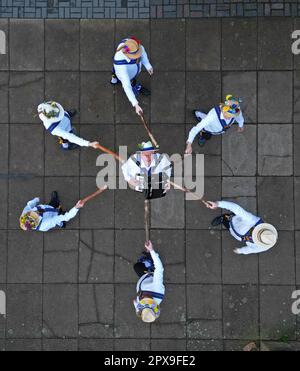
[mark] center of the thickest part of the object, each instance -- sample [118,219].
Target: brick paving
[73,289]
[146,9]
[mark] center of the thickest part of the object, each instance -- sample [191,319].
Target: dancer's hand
[79,204]
[211,205]
[148,246]
[240,130]
[138,110]
[93,144]
[150,71]
[189,148]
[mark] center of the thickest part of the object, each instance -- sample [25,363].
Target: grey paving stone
[100,212]
[61,257]
[4,57]
[4,208]
[96,304]
[239,187]
[171,247]
[96,107]
[138,28]
[197,216]
[26,44]
[203,262]
[57,345]
[26,91]
[24,311]
[96,256]
[296,103]
[275,201]
[168,212]
[62,55]
[129,244]
[236,345]
[170,345]
[239,44]
[3,256]
[205,345]
[63,87]
[89,157]
[297,198]
[242,160]
[274,43]
[275,150]
[60,311]
[132,345]
[25,257]
[96,345]
[204,329]
[204,302]
[277,267]
[203,40]
[4,94]
[23,345]
[269,84]
[243,85]
[96,44]
[168,48]
[131,136]
[26,139]
[203,92]
[174,84]
[21,190]
[172,320]
[130,206]
[240,312]
[276,318]
[296,150]
[237,269]
[297,247]
[68,199]
[171,138]
[126,323]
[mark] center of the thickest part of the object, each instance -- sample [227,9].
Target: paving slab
[4,208]
[132,345]
[24,55]
[242,85]
[130,206]
[275,155]
[296,150]
[61,257]
[204,302]
[204,329]
[269,84]
[170,345]
[296,97]
[62,55]
[4,95]
[3,256]
[96,304]
[96,256]
[60,311]
[280,323]
[24,305]
[275,200]
[203,44]
[274,44]
[239,44]
[203,257]
[138,28]
[23,345]
[57,345]
[297,244]
[297,198]
[241,161]
[205,345]
[240,316]
[96,345]
[96,44]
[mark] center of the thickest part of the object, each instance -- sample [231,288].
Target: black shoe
[54,200]
[72,112]
[217,221]
[145,92]
[201,141]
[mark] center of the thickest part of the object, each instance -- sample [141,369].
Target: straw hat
[149,310]
[147,147]
[265,235]
[231,107]
[30,221]
[52,111]
[132,48]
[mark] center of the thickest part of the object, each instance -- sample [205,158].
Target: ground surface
[73,289]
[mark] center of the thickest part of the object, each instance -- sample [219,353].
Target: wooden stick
[149,132]
[147,220]
[188,191]
[106,150]
[95,194]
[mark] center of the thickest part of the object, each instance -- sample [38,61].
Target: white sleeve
[236,209]
[31,204]
[145,60]
[240,119]
[51,223]
[126,83]
[202,124]
[70,137]
[128,169]
[251,249]
[166,164]
[159,269]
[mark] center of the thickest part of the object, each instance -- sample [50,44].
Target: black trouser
[205,135]
[140,267]
[226,220]
[54,202]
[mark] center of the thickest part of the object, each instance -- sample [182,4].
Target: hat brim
[135,55]
[54,119]
[258,229]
